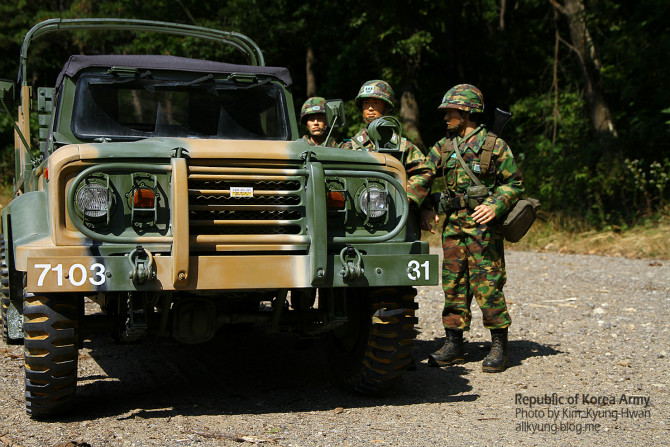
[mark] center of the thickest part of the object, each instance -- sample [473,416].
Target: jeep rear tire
[373,349]
[51,351]
[11,307]
[4,296]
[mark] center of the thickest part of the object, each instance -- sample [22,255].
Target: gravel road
[589,346]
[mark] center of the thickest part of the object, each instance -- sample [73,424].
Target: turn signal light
[335,200]
[144,198]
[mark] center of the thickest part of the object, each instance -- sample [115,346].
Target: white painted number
[414,270]
[99,272]
[77,274]
[45,269]
[70,274]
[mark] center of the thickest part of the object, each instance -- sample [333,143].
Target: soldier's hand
[483,214]
[426,219]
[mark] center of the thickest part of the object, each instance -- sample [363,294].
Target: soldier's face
[316,124]
[372,108]
[453,119]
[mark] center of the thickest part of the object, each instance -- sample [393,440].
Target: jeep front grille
[272,213]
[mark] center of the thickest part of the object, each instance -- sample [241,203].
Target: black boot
[453,351]
[497,359]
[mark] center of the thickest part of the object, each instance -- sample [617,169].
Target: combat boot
[453,351]
[497,359]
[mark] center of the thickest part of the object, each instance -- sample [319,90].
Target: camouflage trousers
[473,265]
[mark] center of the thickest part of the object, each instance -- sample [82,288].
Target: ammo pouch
[445,203]
[475,195]
[519,219]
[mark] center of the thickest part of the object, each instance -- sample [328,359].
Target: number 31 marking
[77,274]
[414,270]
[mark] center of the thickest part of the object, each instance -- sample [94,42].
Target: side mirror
[7,91]
[386,134]
[335,113]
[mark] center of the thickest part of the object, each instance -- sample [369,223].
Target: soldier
[375,99]
[474,261]
[313,116]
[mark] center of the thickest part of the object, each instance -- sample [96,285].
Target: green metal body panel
[28,214]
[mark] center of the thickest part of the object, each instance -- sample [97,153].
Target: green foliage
[668,112]
[553,171]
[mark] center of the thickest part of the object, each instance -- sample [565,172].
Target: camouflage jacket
[503,178]
[331,142]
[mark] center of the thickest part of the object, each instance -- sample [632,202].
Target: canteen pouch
[476,195]
[519,219]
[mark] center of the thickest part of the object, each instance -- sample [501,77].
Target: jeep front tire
[373,349]
[51,351]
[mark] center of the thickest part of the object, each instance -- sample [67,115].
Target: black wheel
[5,294]
[373,349]
[51,348]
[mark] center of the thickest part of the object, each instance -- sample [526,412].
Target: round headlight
[373,201]
[94,201]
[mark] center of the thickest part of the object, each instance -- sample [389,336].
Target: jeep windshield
[131,108]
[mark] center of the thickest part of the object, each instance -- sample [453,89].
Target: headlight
[373,201]
[94,199]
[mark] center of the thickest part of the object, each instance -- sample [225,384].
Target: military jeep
[175,194]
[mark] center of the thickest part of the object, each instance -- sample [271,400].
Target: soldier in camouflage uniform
[375,99]
[474,262]
[313,116]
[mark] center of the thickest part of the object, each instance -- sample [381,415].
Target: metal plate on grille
[241,191]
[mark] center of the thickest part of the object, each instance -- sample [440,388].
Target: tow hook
[142,262]
[351,263]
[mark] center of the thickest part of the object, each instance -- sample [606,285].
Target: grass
[551,233]
[648,240]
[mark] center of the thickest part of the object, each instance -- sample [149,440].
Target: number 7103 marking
[414,270]
[77,274]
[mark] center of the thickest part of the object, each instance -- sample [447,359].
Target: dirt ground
[589,365]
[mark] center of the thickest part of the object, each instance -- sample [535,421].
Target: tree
[585,50]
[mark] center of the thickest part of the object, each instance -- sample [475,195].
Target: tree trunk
[582,44]
[409,115]
[311,77]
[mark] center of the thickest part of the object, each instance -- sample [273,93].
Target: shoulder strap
[487,151]
[465,167]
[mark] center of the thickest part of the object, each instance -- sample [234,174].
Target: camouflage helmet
[313,105]
[376,89]
[463,97]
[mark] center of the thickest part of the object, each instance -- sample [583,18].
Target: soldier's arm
[509,182]
[420,173]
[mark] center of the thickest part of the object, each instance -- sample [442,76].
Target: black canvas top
[77,63]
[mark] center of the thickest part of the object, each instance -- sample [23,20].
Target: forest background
[586,80]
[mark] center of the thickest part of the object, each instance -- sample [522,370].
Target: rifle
[501,118]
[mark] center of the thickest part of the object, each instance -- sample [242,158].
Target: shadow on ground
[251,372]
